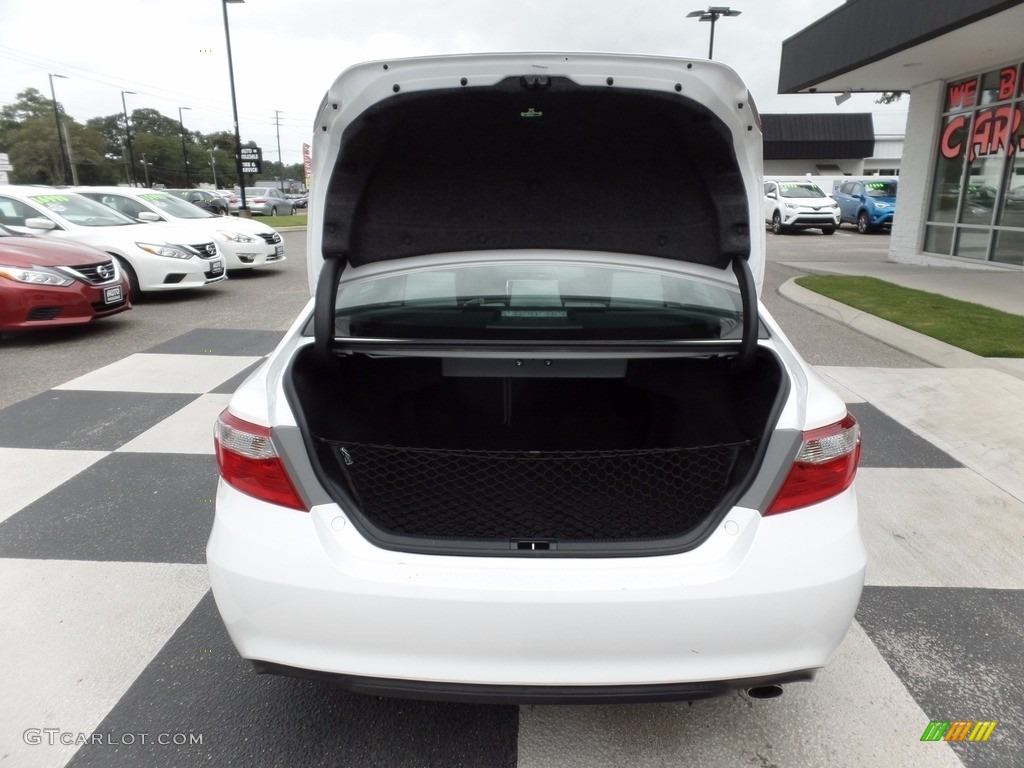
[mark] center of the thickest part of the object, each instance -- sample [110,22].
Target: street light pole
[65,165]
[712,14]
[184,152]
[243,209]
[128,138]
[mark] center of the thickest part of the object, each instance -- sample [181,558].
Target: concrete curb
[929,350]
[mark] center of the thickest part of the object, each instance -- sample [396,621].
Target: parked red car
[47,283]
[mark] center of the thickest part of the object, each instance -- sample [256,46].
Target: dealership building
[961,193]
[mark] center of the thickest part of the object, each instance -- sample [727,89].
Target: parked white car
[536,439]
[790,205]
[243,242]
[154,257]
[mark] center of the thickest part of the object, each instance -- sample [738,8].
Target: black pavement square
[220,341]
[960,653]
[887,444]
[228,387]
[85,420]
[197,688]
[127,507]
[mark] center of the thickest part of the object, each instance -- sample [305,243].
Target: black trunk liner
[537,495]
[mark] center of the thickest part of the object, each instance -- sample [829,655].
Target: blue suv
[868,203]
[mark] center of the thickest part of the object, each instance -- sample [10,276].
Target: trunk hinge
[751,324]
[323,308]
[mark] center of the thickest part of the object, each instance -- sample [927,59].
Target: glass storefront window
[976,207]
[938,240]
[972,243]
[979,200]
[1009,248]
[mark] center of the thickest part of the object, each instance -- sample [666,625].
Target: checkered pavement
[109,633]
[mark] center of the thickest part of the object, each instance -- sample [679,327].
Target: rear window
[537,301]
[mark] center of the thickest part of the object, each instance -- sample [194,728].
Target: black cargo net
[517,495]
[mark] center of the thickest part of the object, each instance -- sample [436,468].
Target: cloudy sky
[286,53]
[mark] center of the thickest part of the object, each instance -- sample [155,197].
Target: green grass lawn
[298,220]
[981,330]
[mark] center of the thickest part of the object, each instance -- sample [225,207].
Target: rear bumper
[761,600]
[534,694]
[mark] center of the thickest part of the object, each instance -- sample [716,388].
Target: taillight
[247,460]
[824,466]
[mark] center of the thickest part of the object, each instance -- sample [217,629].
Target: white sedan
[243,242]
[535,439]
[154,257]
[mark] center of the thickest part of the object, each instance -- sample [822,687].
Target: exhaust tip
[765,692]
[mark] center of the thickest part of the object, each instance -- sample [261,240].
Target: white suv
[535,439]
[792,205]
[154,257]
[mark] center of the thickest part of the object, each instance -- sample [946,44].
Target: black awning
[811,136]
[861,32]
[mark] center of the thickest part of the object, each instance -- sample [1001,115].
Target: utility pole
[213,165]
[128,138]
[184,152]
[280,160]
[64,164]
[71,159]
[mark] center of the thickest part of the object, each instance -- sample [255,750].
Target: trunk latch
[531,545]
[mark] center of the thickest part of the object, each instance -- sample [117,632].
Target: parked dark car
[205,199]
[46,283]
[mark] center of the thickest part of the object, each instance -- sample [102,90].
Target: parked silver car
[267,201]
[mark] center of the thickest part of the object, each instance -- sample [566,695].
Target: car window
[119,203]
[14,212]
[81,210]
[800,189]
[880,189]
[537,301]
[177,207]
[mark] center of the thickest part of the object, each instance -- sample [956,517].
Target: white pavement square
[27,474]
[939,528]
[189,430]
[988,436]
[809,726]
[75,636]
[159,373]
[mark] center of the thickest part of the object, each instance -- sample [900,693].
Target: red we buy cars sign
[995,129]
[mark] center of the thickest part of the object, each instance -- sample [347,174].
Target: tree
[28,133]
[151,121]
[34,152]
[30,104]
[890,97]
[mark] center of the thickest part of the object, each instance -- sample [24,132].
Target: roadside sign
[252,160]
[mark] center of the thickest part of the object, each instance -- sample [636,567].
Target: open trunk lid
[635,155]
